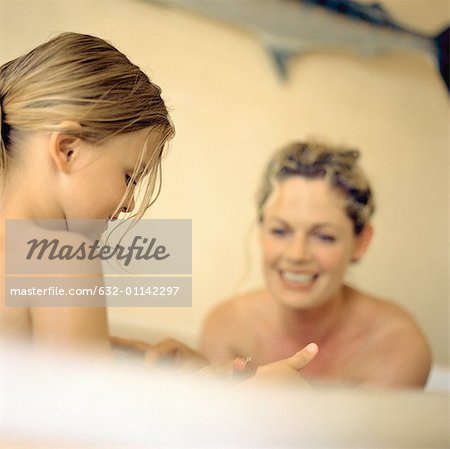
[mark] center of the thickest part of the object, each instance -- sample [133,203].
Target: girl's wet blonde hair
[83,79]
[337,165]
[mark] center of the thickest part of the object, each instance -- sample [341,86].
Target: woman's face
[99,178]
[307,242]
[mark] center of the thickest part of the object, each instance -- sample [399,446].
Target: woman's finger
[287,370]
[299,360]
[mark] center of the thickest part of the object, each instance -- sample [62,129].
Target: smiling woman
[314,208]
[308,242]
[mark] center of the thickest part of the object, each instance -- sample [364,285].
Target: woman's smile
[294,280]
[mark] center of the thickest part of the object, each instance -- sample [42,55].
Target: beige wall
[231,112]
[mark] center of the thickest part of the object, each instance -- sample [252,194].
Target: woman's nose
[298,249]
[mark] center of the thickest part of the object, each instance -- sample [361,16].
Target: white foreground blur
[56,401]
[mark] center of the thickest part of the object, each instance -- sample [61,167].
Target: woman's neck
[318,324]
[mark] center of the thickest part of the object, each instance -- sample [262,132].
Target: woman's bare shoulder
[237,308]
[383,314]
[226,327]
[394,342]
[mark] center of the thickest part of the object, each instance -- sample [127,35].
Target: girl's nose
[129,205]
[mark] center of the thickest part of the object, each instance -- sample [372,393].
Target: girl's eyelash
[128,179]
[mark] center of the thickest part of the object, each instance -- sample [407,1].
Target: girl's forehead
[136,145]
[138,138]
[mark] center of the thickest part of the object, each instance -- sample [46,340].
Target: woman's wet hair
[314,160]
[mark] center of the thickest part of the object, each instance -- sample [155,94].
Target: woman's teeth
[300,278]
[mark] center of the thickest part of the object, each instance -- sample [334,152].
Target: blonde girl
[81,126]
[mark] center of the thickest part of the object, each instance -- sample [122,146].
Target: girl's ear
[64,148]
[362,242]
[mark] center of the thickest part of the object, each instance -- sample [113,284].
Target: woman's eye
[326,238]
[278,231]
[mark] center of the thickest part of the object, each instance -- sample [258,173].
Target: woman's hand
[286,370]
[175,354]
[283,371]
